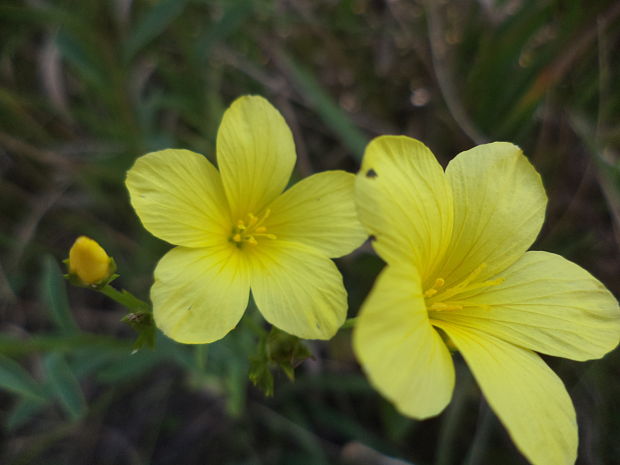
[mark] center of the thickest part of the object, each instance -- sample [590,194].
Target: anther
[495,282]
[439,299]
[442,306]
[250,229]
[439,282]
[430,292]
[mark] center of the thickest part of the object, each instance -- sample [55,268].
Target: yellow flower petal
[179,198]
[499,208]
[529,399]
[547,304]
[199,295]
[319,211]
[255,154]
[298,289]
[402,355]
[404,201]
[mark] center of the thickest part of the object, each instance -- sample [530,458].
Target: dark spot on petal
[372,237]
[371,173]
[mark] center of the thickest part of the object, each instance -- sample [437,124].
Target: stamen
[430,292]
[439,282]
[439,299]
[441,306]
[473,275]
[246,231]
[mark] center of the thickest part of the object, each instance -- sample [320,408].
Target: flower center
[441,299]
[248,229]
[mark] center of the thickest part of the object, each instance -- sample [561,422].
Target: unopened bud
[89,263]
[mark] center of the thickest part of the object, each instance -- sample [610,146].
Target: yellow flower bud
[89,262]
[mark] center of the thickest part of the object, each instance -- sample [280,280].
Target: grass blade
[54,294]
[333,116]
[65,386]
[15,379]
[22,412]
[154,23]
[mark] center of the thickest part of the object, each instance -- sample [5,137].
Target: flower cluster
[458,272]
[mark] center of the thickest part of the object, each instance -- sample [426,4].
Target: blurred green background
[87,86]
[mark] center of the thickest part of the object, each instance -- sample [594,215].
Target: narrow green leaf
[79,56]
[14,346]
[54,294]
[15,379]
[64,385]
[128,366]
[86,361]
[155,22]
[330,112]
[231,21]
[23,411]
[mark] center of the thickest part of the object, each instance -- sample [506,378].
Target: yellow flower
[459,273]
[236,229]
[89,262]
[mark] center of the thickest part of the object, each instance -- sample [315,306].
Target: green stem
[478,447]
[452,419]
[124,298]
[249,322]
[200,357]
[349,323]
